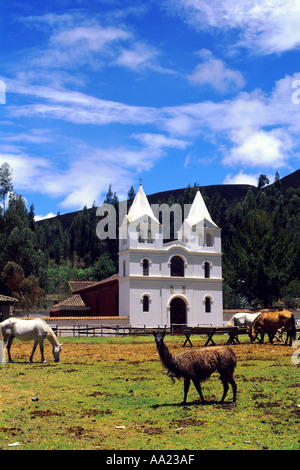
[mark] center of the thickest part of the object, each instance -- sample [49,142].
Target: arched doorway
[178,311]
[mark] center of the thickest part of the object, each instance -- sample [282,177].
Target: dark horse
[271,322]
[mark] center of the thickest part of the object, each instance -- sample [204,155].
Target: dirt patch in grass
[11,431]
[43,413]
[188,422]
[153,431]
[76,430]
[96,412]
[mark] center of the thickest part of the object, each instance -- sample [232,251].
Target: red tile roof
[74,301]
[81,290]
[77,285]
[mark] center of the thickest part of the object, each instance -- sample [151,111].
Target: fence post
[117,330]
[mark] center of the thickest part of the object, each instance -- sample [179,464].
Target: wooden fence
[105,330]
[121,330]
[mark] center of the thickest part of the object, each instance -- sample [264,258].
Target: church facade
[175,283]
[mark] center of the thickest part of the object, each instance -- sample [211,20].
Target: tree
[31,218]
[263,181]
[6,184]
[31,291]
[21,247]
[13,276]
[131,195]
[26,289]
[104,267]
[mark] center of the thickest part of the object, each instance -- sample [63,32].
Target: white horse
[243,319]
[29,330]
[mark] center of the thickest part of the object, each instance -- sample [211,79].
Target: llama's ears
[156,334]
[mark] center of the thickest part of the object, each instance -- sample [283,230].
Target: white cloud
[254,130]
[74,41]
[91,38]
[26,170]
[158,141]
[81,45]
[266,26]
[33,136]
[88,173]
[89,176]
[76,107]
[257,148]
[138,57]
[241,178]
[43,217]
[214,72]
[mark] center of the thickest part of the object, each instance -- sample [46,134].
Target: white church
[174,283]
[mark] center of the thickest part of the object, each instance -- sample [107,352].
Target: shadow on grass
[226,405]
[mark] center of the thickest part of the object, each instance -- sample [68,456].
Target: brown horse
[271,322]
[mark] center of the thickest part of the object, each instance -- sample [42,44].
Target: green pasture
[114,394]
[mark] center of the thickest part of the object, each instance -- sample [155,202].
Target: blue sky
[174,92]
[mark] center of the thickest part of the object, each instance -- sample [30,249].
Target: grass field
[113,393]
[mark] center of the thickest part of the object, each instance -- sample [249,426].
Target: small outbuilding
[90,299]
[7,305]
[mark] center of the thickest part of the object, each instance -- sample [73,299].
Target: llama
[198,365]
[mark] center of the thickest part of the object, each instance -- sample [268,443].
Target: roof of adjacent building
[80,287]
[74,301]
[77,285]
[94,285]
[5,298]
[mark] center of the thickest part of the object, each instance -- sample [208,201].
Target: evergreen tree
[6,184]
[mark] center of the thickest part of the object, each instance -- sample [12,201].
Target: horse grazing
[243,319]
[271,322]
[29,330]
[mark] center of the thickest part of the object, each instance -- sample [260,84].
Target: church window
[207,270]
[145,303]
[145,267]
[207,302]
[141,234]
[150,240]
[124,268]
[209,239]
[177,266]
